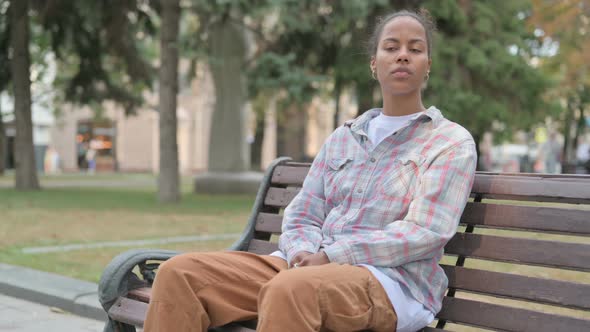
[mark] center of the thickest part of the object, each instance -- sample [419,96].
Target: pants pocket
[346,307]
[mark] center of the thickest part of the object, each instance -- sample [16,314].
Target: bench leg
[112,326]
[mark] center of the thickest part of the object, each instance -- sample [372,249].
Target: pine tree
[481,72]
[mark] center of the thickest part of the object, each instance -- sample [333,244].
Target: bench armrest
[117,276]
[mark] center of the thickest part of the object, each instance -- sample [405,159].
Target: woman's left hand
[319,258]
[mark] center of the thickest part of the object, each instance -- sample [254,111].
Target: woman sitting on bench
[362,239]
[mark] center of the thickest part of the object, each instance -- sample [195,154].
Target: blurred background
[127,100]
[514,73]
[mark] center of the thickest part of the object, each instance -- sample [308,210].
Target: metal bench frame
[124,294]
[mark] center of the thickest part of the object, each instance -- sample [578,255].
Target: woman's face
[401,61]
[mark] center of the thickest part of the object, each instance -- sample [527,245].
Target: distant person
[485,151]
[551,153]
[362,240]
[51,162]
[91,160]
[82,149]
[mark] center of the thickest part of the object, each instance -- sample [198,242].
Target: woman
[362,240]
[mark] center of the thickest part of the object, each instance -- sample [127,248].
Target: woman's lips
[401,74]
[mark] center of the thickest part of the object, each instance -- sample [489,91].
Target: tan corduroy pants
[195,291]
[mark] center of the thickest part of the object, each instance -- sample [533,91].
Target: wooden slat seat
[505,318]
[522,220]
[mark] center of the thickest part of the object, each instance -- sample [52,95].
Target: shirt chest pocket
[404,176]
[338,177]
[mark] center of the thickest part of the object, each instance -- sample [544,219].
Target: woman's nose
[402,56]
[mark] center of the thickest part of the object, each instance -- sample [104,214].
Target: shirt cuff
[340,252]
[295,250]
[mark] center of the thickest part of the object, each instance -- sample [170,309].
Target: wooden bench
[520,261]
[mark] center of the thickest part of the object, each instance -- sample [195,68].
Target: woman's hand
[319,258]
[296,261]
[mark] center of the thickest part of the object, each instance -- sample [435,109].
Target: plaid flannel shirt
[393,206]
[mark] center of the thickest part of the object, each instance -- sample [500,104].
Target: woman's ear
[372,64]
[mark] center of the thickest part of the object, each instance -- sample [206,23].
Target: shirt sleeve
[431,221]
[305,215]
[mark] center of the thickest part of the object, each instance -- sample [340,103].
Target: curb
[76,296]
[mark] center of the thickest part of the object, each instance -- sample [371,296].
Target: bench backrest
[521,258]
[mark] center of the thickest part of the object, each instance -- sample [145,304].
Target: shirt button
[359,191]
[373,160]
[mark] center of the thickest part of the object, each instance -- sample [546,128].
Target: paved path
[131,243]
[18,315]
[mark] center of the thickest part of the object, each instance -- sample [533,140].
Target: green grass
[59,216]
[89,264]
[118,199]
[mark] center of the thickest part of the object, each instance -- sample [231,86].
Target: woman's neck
[402,105]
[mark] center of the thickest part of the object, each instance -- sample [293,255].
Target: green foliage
[480,74]
[274,71]
[101,48]
[313,38]
[477,77]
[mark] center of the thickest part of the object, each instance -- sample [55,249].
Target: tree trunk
[228,149]
[2,143]
[567,131]
[477,139]
[291,133]
[256,150]
[26,172]
[579,127]
[337,94]
[168,182]
[364,90]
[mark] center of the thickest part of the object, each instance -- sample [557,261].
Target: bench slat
[262,247]
[129,311]
[560,188]
[133,312]
[563,293]
[535,252]
[535,218]
[232,327]
[268,222]
[568,294]
[508,189]
[289,175]
[492,187]
[507,318]
[142,294]
[280,197]
[529,218]
[570,190]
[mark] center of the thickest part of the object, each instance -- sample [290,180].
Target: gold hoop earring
[373,74]
[427,76]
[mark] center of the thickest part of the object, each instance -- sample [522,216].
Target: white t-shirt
[383,126]
[411,314]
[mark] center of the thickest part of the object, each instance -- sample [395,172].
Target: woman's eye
[415,50]
[391,49]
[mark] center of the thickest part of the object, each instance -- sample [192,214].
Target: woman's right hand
[298,258]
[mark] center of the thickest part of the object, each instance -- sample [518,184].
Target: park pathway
[18,315]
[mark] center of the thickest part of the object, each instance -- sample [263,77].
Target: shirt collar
[359,124]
